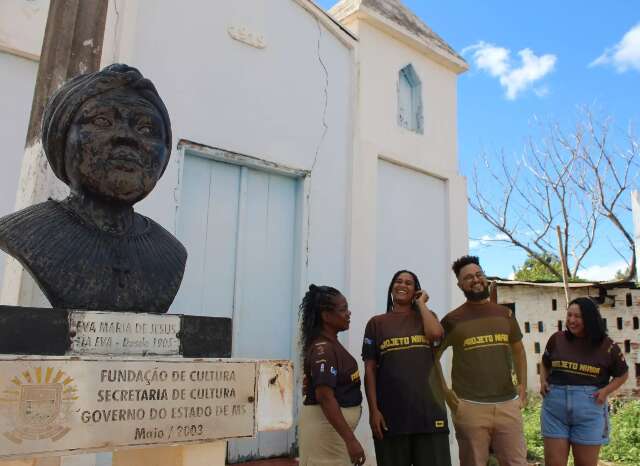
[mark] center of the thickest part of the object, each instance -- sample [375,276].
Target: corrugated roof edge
[604,284]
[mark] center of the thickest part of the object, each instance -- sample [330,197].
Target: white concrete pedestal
[206,454]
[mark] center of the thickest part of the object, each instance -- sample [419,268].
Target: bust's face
[115,147]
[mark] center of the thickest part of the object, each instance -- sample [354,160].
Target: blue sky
[537,61]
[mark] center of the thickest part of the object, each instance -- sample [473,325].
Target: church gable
[403,19]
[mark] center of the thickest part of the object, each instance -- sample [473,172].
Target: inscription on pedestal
[111,333]
[71,405]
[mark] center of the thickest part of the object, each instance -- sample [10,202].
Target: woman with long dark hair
[332,402]
[402,380]
[580,368]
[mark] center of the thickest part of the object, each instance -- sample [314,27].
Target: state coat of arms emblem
[38,397]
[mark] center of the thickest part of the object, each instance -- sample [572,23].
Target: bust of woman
[107,135]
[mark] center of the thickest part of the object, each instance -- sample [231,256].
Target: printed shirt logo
[368,341]
[576,368]
[439,424]
[484,341]
[403,343]
[355,376]
[322,367]
[333,371]
[41,402]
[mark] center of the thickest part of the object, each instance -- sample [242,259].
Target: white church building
[309,147]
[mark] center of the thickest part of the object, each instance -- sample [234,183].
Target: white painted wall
[296,102]
[382,57]
[22,26]
[276,103]
[290,103]
[378,136]
[430,157]
[17,81]
[409,234]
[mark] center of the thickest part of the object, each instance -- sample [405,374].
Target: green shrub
[532,435]
[624,446]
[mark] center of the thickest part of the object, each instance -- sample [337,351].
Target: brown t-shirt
[575,361]
[409,395]
[327,362]
[481,335]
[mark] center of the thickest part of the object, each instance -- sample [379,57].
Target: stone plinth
[69,405]
[146,387]
[51,332]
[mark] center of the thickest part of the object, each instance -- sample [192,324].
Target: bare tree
[575,180]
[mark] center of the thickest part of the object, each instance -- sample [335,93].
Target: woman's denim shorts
[571,412]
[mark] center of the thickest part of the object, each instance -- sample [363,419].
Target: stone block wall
[541,310]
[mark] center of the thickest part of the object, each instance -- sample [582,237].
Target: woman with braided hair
[332,403]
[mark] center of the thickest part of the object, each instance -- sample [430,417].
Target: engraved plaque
[62,405]
[123,333]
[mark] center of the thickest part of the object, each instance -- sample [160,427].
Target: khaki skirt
[320,444]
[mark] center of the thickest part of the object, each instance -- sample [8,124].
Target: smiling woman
[406,405]
[580,368]
[107,135]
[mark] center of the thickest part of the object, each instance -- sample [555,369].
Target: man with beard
[484,400]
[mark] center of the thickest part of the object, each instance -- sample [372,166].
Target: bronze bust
[107,135]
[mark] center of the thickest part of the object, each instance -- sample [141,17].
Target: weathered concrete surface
[76,405]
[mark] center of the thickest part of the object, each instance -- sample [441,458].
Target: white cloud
[486,240]
[541,91]
[497,62]
[602,272]
[490,58]
[625,54]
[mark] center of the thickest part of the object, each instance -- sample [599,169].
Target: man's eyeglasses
[478,276]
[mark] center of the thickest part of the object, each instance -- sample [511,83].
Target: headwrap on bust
[66,101]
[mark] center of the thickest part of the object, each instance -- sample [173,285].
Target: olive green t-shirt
[481,335]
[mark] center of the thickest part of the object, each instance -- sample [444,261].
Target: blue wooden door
[238,225]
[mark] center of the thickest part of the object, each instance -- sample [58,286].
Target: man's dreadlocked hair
[316,300]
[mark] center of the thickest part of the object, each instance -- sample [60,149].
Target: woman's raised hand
[421,297]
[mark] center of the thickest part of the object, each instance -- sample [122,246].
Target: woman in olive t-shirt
[406,407]
[332,402]
[580,368]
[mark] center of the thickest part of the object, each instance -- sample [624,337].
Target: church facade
[309,147]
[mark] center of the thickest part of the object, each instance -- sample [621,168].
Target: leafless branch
[574,179]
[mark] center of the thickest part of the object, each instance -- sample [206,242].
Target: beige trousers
[320,444]
[496,425]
